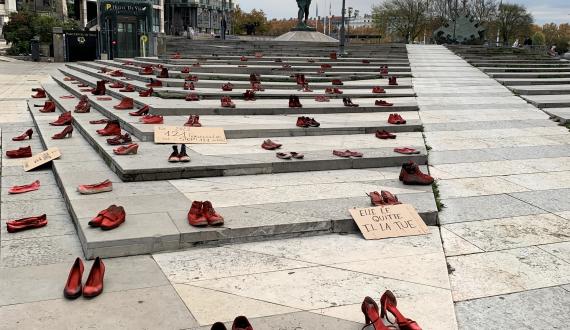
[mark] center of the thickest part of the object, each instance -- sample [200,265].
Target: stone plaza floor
[499,259]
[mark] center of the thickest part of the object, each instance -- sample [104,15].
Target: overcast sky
[543,10]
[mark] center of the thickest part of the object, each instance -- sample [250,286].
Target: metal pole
[342,31]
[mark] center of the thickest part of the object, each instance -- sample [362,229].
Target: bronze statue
[304,6]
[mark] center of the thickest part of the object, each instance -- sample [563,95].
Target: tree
[254,22]
[484,11]
[538,39]
[513,20]
[404,18]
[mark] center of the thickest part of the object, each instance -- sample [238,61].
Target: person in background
[516,43]
[552,52]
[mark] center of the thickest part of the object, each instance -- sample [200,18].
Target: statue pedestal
[304,28]
[306,35]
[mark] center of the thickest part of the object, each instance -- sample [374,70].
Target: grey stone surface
[556,200]
[39,250]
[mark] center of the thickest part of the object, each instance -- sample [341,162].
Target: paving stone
[39,250]
[468,187]
[58,225]
[15,210]
[560,250]
[556,200]
[454,245]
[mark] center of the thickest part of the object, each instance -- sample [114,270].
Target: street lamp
[342,31]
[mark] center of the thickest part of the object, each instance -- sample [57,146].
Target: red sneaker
[191,97]
[26,135]
[193,121]
[141,112]
[120,140]
[112,128]
[63,120]
[25,188]
[270,145]
[188,86]
[313,123]
[378,90]
[101,187]
[384,135]
[94,284]
[154,83]
[213,218]
[196,216]
[49,106]
[126,104]
[146,93]
[130,149]
[382,103]
[412,175]
[303,122]
[147,70]
[152,119]
[163,73]
[402,120]
[40,93]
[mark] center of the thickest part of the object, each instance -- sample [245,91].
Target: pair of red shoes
[382,103]
[384,135]
[188,86]
[67,131]
[337,82]
[26,223]
[228,87]
[396,119]
[152,119]
[329,90]
[294,102]
[227,102]
[193,121]
[240,323]
[270,145]
[112,128]
[120,139]
[40,93]
[22,152]
[126,103]
[249,95]
[25,188]
[49,106]
[307,122]
[63,120]
[410,174]
[203,214]
[179,157]
[383,198]
[146,93]
[347,153]
[90,189]
[392,81]
[191,78]
[140,112]
[26,135]
[378,90]
[192,97]
[374,316]
[154,83]
[130,149]
[406,151]
[110,218]
[94,284]
[347,101]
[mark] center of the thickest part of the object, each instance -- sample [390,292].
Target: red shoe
[313,123]
[146,93]
[243,59]
[294,102]
[163,73]
[402,120]
[382,103]
[117,85]
[270,145]
[128,89]
[192,97]
[63,120]
[241,323]
[49,106]
[196,216]
[303,122]
[126,104]
[183,156]
[384,135]
[347,101]
[67,131]
[376,199]
[337,82]
[227,102]
[25,188]
[378,90]
[283,155]
[188,86]
[23,152]
[112,128]
[392,81]
[73,287]
[130,149]
[98,219]
[117,73]
[176,56]
[68,79]
[154,83]
[213,218]
[412,175]
[300,79]
[100,89]
[26,223]
[322,98]
[147,70]
[113,219]
[406,151]
[141,112]
[254,78]
[337,91]
[333,56]
[174,156]
[193,121]
[297,155]
[152,119]
[185,70]
[389,198]
[329,90]
[370,310]
[26,134]
[388,304]
[83,106]
[40,93]
[191,78]
[227,87]
[89,189]
[384,70]
[256,87]
[94,284]
[344,154]
[394,119]
[120,140]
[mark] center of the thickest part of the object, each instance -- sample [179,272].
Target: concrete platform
[561,115]
[548,101]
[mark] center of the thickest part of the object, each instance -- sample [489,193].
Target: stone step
[561,115]
[548,101]
[533,81]
[531,75]
[526,69]
[541,89]
[554,64]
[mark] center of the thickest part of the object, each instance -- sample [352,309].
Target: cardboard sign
[41,158]
[195,135]
[389,221]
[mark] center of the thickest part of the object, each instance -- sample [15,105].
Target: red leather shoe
[227,87]
[73,287]
[193,121]
[196,216]
[146,70]
[128,89]
[227,102]
[344,154]
[213,218]
[90,189]
[152,119]
[322,98]
[411,174]
[120,140]
[23,152]
[270,145]
[376,199]
[117,85]
[163,73]
[241,323]
[371,315]
[384,135]
[249,95]
[303,122]
[393,119]
[154,83]
[100,89]
[98,219]
[14,226]
[283,155]
[113,219]
[191,78]
[406,151]
[185,70]
[40,93]
[355,153]
[49,106]
[192,97]
[117,73]
[112,128]
[389,198]
[347,101]
[94,284]
[388,304]
[141,112]
[130,149]
[25,188]
[188,86]
[146,93]
[176,56]
[382,103]
[378,90]
[67,131]
[26,135]
[392,81]
[337,82]
[126,104]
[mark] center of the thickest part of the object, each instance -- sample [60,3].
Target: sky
[544,11]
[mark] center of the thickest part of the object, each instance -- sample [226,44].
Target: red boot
[49,106]
[112,128]
[196,216]
[388,304]
[146,93]
[63,120]
[40,93]
[126,104]
[100,89]
[411,174]
[73,287]
[163,73]
[94,284]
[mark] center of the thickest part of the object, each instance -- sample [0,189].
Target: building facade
[6,7]
[203,16]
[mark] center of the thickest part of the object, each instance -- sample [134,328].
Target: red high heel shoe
[73,285]
[94,284]
[26,134]
[67,131]
[141,112]
[25,188]
[146,93]
[388,303]
[370,310]
[130,149]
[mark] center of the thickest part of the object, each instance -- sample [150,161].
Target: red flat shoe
[146,93]
[270,145]
[73,287]
[116,85]
[63,120]
[355,154]
[23,152]
[376,199]
[126,104]
[410,174]
[378,90]
[196,216]
[297,155]
[344,154]
[113,219]
[213,218]
[406,151]
[98,219]
[152,119]
[384,135]
[26,135]
[283,155]
[241,323]
[49,106]
[67,131]
[388,304]
[120,140]
[25,188]
[128,89]
[141,112]
[130,149]
[90,189]
[370,310]
[94,284]
[382,103]
[26,223]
